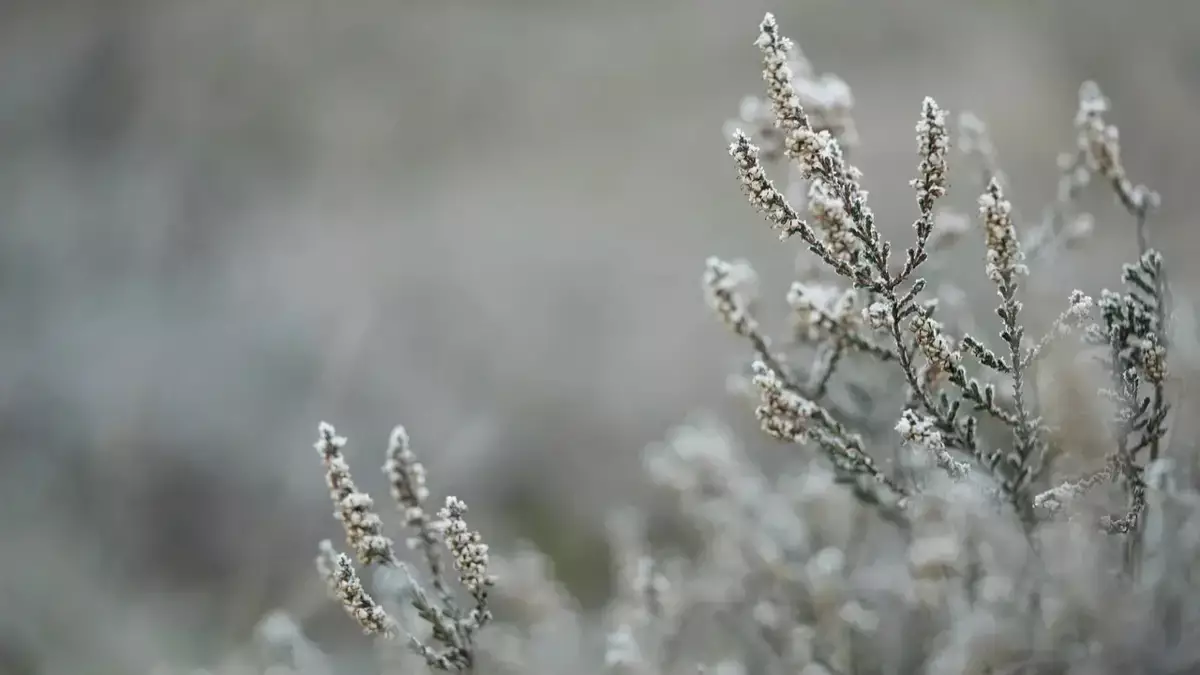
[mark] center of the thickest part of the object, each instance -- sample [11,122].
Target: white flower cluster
[878,315]
[1078,313]
[728,290]
[783,413]
[466,546]
[406,475]
[355,509]
[1004,257]
[937,347]
[829,212]
[922,432]
[345,586]
[933,144]
[821,309]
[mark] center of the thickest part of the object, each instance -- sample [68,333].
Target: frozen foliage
[942,541]
[450,644]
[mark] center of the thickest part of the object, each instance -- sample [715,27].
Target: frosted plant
[451,645]
[945,399]
[961,391]
[932,533]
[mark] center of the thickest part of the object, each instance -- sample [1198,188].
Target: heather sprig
[355,509]
[453,630]
[340,576]
[965,554]
[944,397]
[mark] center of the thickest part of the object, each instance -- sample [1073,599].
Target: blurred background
[222,222]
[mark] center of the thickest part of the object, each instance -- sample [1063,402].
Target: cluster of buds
[933,144]
[406,476]
[466,546]
[829,213]
[1100,145]
[1004,257]
[822,310]
[344,585]
[729,291]
[921,432]
[783,413]
[355,509]
[453,629]
[933,342]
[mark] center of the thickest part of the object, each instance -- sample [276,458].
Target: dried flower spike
[355,509]
[344,584]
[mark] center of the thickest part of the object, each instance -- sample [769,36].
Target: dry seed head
[354,508]
[728,289]
[406,476]
[933,144]
[1004,257]
[934,344]
[466,546]
[344,584]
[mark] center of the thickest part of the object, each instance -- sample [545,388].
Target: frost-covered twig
[453,630]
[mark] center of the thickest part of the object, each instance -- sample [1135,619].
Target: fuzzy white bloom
[729,289]
[777,52]
[1100,144]
[1152,359]
[1080,310]
[784,413]
[343,583]
[834,223]
[1100,140]
[406,476]
[821,309]
[919,430]
[355,509]
[933,144]
[1004,257]
[922,432]
[815,150]
[466,546]
[762,193]
[878,315]
[935,344]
